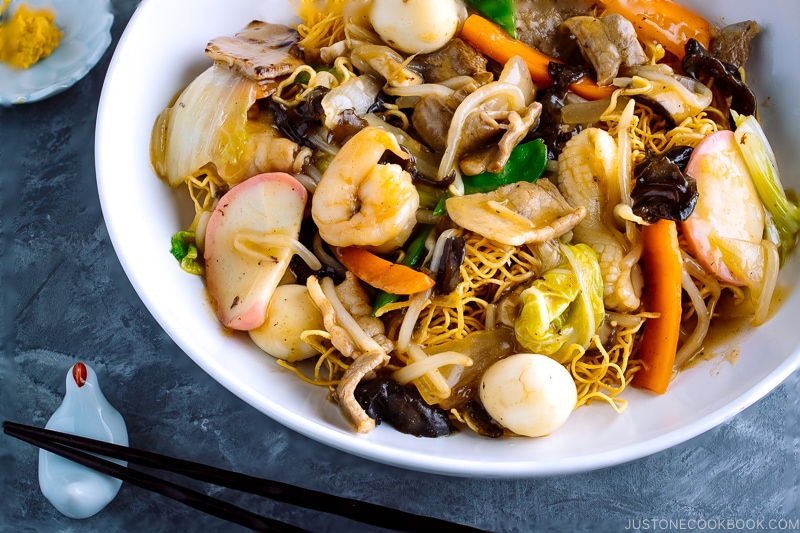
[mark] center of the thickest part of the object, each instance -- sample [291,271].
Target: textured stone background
[65,297]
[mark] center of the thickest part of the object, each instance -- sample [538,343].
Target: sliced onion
[772,266]
[424,89]
[365,343]
[694,343]
[431,362]
[431,384]
[587,112]
[416,305]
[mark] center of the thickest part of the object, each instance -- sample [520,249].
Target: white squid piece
[588,177]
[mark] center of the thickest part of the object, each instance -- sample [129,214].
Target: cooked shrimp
[588,177]
[360,202]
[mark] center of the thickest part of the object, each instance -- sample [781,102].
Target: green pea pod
[498,11]
[526,163]
[415,254]
[440,208]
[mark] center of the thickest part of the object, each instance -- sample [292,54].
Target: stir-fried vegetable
[526,163]
[382,274]
[413,256]
[564,306]
[664,22]
[763,167]
[662,269]
[184,249]
[493,41]
[207,125]
[500,12]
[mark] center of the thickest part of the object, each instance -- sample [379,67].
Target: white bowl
[141,214]
[86,28]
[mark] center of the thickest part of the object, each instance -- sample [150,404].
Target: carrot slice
[663,21]
[491,40]
[382,274]
[662,270]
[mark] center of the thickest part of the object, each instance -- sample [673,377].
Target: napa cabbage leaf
[564,306]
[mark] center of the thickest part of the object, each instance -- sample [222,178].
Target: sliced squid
[588,177]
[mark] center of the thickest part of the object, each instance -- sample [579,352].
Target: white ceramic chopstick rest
[77,491]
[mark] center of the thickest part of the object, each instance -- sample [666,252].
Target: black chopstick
[67,445]
[197,500]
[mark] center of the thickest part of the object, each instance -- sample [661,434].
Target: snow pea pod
[413,257]
[526,163]
[499,11]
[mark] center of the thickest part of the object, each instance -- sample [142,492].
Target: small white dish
[142,213]
[86,28]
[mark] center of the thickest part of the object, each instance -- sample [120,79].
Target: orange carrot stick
[382,274]
[662,271]
[662,21]
[491,40]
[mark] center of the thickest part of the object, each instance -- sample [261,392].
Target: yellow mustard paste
[27,36]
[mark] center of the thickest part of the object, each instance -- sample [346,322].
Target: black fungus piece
[662,190]
[448,275]
[381,102]
[702,66]
[680,155]
[551,128]
[347,125]
[294,122]
[402,408]
[301,271]
[656,108]
[480,421]
[410,166]
[677,154]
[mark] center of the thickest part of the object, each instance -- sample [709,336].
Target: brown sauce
[729,330]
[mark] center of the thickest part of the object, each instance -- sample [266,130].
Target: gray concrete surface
[65,298]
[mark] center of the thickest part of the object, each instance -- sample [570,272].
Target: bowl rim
[422,460]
